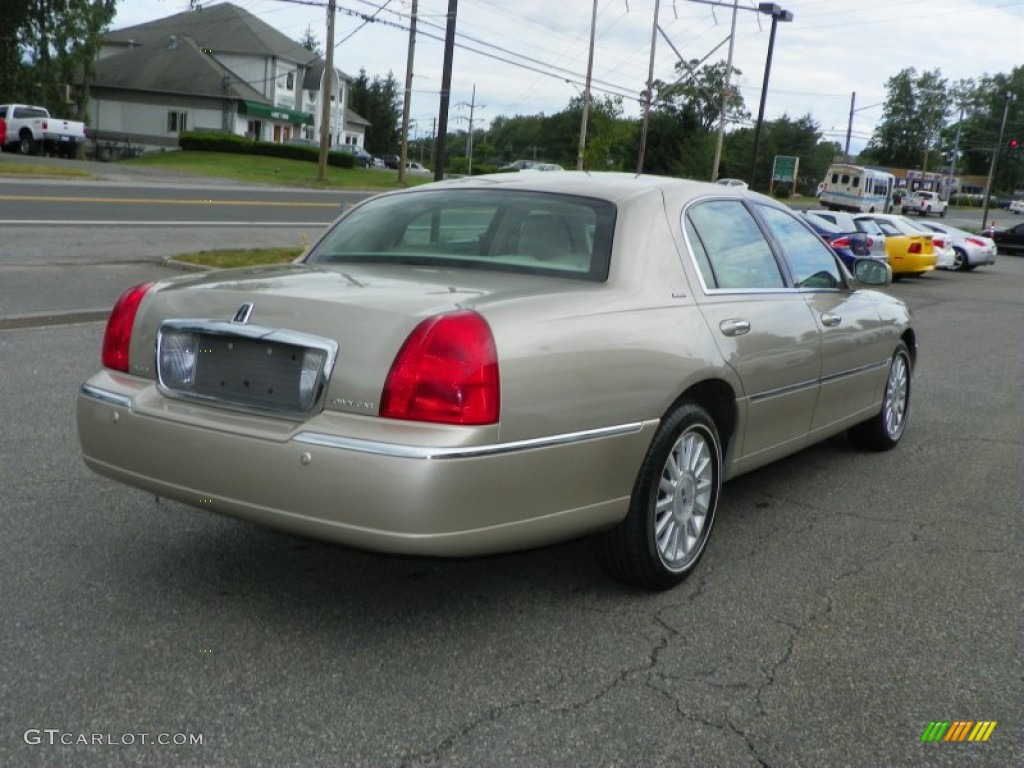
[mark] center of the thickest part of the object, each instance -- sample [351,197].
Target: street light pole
[586,92]
[777,14]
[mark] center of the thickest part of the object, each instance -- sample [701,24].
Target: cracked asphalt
[845,601]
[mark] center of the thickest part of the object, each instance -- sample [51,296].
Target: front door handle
[830,320]
[734,327]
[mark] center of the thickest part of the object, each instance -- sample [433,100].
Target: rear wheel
[960,261]
[673,504]
[883,432]
[26,145]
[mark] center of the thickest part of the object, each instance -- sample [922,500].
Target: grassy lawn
[48,171]
[271,170]
[226,259]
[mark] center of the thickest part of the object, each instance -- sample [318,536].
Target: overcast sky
[528,55]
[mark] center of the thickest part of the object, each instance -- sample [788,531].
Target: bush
[214,141]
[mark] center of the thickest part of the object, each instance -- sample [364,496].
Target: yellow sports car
[910,252]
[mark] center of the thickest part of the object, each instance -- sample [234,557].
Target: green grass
[271,170]
[52,171]
[229,258]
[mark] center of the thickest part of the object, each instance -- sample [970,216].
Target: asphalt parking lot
[845,602]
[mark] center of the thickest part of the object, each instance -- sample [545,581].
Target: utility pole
[446,90]
[586,92]
[849,126]
[404,154]
[995,154]
[725,94]
[649,95]
[469,139]
[326,89]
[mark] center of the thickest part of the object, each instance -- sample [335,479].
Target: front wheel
[883,432]
[673,504]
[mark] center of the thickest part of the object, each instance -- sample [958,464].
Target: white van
[856,188]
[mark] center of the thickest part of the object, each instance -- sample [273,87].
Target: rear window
[498,230]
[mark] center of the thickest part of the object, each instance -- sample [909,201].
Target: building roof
[176,66]
[223,29]
[314,71]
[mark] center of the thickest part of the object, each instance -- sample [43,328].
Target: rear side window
[729,248]
[499,230]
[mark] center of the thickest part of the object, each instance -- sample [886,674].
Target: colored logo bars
[959,730]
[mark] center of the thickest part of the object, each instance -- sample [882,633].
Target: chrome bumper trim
[468,452]
[105,396]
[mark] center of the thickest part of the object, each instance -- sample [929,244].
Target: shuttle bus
[858,189]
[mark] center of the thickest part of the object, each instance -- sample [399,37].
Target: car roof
[614,187]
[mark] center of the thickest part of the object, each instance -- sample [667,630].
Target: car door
[1012,239]
[762,326]
[855,350]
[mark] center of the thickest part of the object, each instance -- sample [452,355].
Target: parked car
[391,161]
[846,223]
[417,170]
[360,157]
[945,255]
[500,362]
[1016,207]
[923,203]
[909,250]
[848,245]
[970,250]
[1009,240]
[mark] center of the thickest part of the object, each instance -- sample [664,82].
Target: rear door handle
[734,327]
[830,320]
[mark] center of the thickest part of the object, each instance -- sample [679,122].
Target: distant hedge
[213,141]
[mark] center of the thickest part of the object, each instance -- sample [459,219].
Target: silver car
[848,223]
[501,362]
[970,250]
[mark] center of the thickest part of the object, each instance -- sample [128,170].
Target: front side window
[811,262]
[729,248]
[508,231]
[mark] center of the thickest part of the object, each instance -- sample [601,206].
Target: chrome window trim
[429,453]
[256,332]
[105,396]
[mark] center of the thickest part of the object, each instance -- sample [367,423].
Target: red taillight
[119,328]
[976,241]
[868,241]
[841,242]
[915,247]
[446,372]
[938,242]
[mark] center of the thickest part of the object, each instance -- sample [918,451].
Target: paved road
[845,601]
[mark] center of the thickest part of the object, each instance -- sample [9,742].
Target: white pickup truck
[922,203]
[31,130]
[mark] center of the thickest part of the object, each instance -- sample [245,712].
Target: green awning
[256,109]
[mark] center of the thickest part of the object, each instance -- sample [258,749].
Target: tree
[48,46]
[310,43]
[377,100]
[916,108]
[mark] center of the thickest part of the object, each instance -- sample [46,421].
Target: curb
[43,319]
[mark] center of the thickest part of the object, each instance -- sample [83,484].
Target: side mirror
[872,272]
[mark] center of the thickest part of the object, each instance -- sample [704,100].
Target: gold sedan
[502,362]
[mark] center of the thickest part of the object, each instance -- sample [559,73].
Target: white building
[218,68]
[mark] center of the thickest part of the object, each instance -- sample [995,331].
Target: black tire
[26,145]
[942,213]
[883,431]
[664,534]
[960,261]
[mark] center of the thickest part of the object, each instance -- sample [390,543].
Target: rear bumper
[316,479]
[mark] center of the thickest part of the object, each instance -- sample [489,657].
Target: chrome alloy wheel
[684,499]
[897,390]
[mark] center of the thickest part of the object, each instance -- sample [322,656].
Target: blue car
[849,245]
